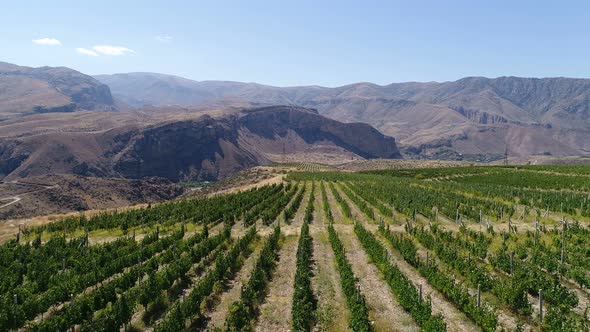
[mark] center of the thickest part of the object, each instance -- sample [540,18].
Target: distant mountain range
[25,90]
[475,117]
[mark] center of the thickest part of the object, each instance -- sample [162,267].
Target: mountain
[142,89]
[189,146]
[25,90]
[475,116]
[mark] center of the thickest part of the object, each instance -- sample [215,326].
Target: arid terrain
[474,118]
[51,194]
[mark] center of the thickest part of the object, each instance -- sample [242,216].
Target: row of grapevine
[427,199]
[270,215]
[343,204]
[304,303]
[309,209]
[121,311]
[406,293]
[476,243]
[544,247]
[243,312]
[190,308]
[534,278]
[359,202]
[378,204]
[325,205]
[291,210]
[269,201]
[84,305]
[527,179]
[39,268]
[483,316]
[359,314]
[563,201]
[62,285]
[520,277]
[511,291]
[200,210]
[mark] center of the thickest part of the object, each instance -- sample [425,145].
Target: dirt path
[18,197]
[275,312]
[12,200]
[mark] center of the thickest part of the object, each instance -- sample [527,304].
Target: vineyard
[445,249]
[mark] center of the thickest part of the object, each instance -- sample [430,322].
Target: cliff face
[210,148]
[205,148]
[359,138]
[487,115]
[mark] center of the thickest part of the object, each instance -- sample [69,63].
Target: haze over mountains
[475,116]
[66,122]
[134,135]
[60,121]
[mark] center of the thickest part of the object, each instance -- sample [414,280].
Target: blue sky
[303,42]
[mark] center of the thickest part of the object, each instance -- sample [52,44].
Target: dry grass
[275,312]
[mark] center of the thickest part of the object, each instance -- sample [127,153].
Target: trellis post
[420,293]
[541,305]
[563,241]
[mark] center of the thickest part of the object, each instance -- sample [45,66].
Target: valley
[455,249]
[294,166]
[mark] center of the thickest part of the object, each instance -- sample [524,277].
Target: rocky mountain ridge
[193,148]
[472,116]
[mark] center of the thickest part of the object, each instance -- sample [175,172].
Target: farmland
[433,249]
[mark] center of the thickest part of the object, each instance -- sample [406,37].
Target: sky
[304,42]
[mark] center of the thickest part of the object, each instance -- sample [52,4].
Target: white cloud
[163,38]
[47,41]
[111,50]
[86,51]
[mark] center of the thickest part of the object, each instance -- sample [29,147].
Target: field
[433,249]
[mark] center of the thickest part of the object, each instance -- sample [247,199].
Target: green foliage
[343,204]
[244,311]
[359,314]
[304,303]
[190,308]
[295,204]
[309,209]
[405,292]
